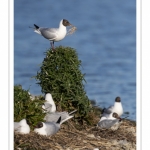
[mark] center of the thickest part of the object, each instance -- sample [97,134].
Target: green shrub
[60,75]
[26,108]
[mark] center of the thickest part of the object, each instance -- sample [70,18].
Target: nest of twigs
[73,136]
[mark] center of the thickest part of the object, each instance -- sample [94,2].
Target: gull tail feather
[69,117]
[72,112]
[59,120]
[37,27]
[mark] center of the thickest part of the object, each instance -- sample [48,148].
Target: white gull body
[21,127]
[117,108]
[53,34]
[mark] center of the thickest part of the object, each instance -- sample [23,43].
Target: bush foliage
[60,75]
[26,108]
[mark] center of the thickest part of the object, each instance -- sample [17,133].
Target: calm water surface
[105,41]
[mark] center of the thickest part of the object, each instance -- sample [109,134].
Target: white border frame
[138,74]
[4,76]
[11,73]
[145,74]
[142,73]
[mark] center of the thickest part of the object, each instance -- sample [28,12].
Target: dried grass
[71,30]
[71,137]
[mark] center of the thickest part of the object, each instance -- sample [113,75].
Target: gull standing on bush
[113,122]
[53,34]
[117,108]
[21,127]
[48,128]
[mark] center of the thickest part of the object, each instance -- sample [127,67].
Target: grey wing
[49,33]
[63,115]
[116,126]
[107,123]
[52,117]
[105,115]
[51,128]
[108,110]
[48,106]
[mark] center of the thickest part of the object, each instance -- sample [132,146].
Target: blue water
[105,41]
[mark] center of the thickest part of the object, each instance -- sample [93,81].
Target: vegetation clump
[60,75]
[25,108]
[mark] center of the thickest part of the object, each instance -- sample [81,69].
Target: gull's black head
[28,122]
[118,99]
[66,22]
[115,115]
[39,125]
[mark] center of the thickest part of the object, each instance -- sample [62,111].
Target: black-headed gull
[117,108]
[49,105]
[21,127]
[47,128]
[53,34]
[113,122]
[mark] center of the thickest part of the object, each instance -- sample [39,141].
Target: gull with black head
[113,122]
[53,34]
[117,108]
[48,128]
